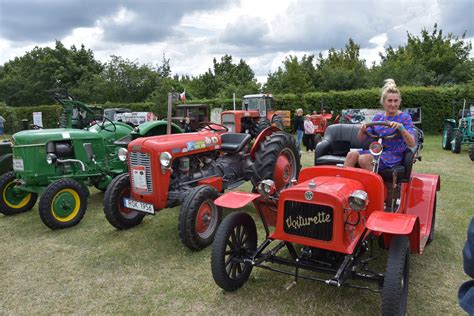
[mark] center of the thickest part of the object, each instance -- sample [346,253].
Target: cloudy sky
[192,32]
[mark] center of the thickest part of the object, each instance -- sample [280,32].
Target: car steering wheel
[382,123]
[212,126]
[102,125]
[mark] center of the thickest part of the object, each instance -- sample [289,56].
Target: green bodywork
[5,157]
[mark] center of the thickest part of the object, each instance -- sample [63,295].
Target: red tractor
[320,122]
[335,215]
[192,170]
[257,114]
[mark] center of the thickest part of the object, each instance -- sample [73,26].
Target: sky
[192,32]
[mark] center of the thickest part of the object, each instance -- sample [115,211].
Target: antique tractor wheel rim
[284,169]
[14,198]
[65,205]
[235,251]
[125,211]
[206,219]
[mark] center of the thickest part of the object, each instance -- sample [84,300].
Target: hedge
[435,103]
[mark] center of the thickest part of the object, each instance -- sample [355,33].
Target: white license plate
[139,206]
[18,164]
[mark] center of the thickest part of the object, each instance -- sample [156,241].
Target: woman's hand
[396,125]
[363,128]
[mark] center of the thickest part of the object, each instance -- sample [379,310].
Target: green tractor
[59,165]
[5,157]
[456,133]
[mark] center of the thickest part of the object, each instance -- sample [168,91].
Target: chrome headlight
[165,159]
[266,187]
[358,200]
[51,158]
[122,154]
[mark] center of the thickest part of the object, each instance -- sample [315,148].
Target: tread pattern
[6,179]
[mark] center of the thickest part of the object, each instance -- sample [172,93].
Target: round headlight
[165,159]
[266,187]
[51,158]
[358,200]
[122,154]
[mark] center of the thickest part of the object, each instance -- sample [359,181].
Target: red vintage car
[336,215]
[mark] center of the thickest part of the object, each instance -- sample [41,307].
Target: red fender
[396,224]
[261,137]
[235,199]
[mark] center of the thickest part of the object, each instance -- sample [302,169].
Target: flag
[182,96]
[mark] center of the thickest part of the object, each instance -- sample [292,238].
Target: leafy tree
[431,59]
[295,76]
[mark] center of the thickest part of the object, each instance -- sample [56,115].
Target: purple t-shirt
[393,148]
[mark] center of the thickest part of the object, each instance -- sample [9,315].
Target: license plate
[18,164]
[139,178]
[139,206]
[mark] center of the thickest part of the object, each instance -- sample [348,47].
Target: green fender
[451,122]
[153,128]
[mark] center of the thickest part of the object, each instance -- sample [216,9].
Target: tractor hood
[42,136]
[178,144]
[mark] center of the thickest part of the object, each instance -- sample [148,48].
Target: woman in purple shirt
[399,121]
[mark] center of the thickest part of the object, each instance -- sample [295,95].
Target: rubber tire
[394,297]
[448,130]
[113,196]
[219,247]
[433,222]
[5,180]
[46,201]
[267,154]
[471,152]
[187,217]
[277,121]
[456,146]
[260,126]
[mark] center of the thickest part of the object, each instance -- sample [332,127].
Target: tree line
[429,59]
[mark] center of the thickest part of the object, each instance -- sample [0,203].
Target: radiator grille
[308,220]
[142,159]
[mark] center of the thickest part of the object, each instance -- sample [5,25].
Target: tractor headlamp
[266,187]
[122,154]
[358,200]
[51,158]
[165,159]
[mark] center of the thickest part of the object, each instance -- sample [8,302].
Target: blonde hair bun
[389,87]
[389,83]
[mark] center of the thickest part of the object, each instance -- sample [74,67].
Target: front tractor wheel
[236,240]
[456,142]
[199,217]
[471,152]
[14,201]
[278,159]
[395,284]
[116,213]
[447,137]
[63,204]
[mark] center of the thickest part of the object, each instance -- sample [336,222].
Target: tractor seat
[403,171]
[234,142]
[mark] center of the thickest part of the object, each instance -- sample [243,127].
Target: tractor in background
[460,131]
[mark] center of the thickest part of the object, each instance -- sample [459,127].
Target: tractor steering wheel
[102,125]
[212,126]
[382,123]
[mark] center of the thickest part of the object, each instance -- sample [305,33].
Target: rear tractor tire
[262,124]
[12,200]
[447,137]
[63,204]
[236,239]
[395,284]
[115,212]
[199,217]
[471,152]
[277,159]
[456,142]
[277,121]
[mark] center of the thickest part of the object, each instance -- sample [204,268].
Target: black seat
[234,142]
[338,140]
[403,171]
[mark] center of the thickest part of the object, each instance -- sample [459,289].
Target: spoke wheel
[63,204]
[116,213]
[199,217]
[14,200]
[236,240]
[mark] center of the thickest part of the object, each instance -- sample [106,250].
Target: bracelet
[402,128]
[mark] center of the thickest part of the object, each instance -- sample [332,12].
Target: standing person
[187,125]
[308,137]
[394,148]
[298,125]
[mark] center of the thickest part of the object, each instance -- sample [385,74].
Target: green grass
[93,268]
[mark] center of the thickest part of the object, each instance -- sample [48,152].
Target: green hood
[42,136]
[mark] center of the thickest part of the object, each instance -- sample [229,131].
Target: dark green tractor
[58,165]
[461,131]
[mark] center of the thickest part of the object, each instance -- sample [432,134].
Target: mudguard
[261,137]
[451,122]
[235,199]
[396,224]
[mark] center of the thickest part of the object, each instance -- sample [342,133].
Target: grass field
[93,268]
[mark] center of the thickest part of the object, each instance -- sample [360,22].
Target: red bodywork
[320,122]
[178,145]
[331,186]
